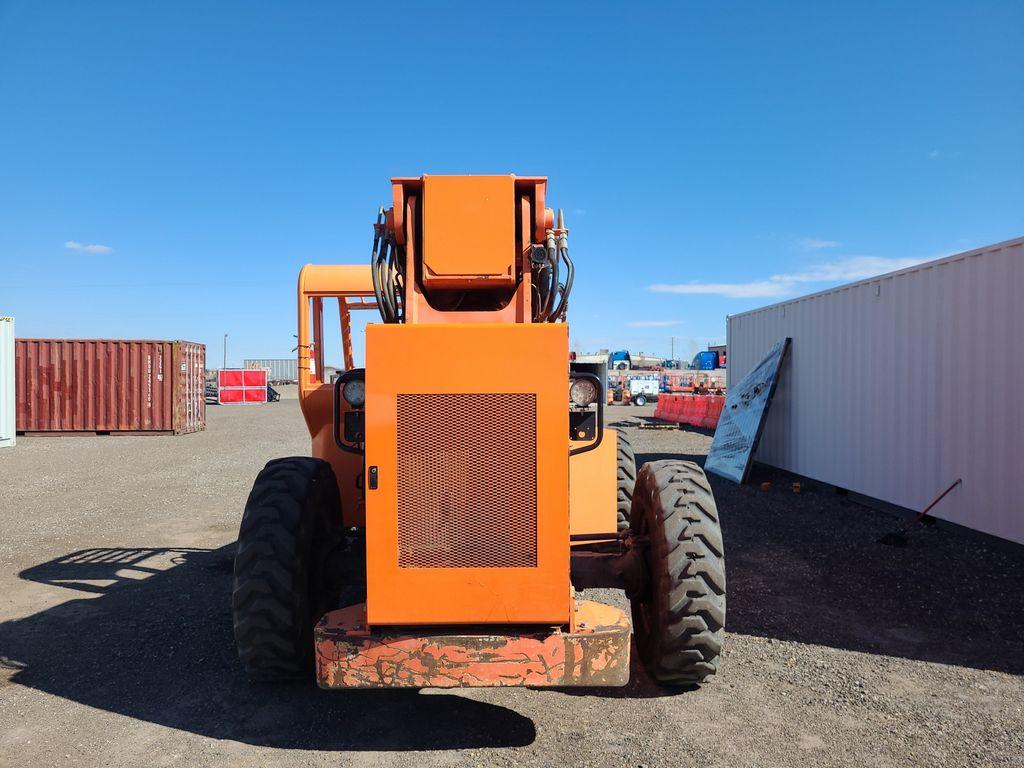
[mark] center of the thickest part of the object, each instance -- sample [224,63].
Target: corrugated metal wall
[878,395]
[189,360]
[7,417]
[279,369]
[108,385]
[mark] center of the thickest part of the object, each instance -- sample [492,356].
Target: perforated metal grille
[467,481]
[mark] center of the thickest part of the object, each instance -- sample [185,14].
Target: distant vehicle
[620,361]
[705,361]
[644,389]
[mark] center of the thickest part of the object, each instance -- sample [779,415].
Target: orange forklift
[463,487]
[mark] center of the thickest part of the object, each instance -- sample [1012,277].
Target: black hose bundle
[552,296]
[388,273]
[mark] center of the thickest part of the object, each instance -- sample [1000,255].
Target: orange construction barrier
[695,410]
[715,405]
[661,408]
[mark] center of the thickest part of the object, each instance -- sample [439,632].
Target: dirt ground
[116,647]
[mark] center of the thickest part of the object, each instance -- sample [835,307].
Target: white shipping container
[279,369]
[878,395]
[7,421]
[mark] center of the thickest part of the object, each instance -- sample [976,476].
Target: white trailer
[7,414]
[644,389]
[879,395]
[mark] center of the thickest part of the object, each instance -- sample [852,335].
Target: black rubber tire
[625,478]
[679,616]
[640,400]
[290,530]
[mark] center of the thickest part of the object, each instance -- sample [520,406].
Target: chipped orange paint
[349,655]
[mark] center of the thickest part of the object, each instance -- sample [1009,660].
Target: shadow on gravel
[808,567]
[640,686]
[643,458]
[156,644]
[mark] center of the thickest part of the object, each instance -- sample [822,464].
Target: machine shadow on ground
[809,567]
[156,644]
[148,631]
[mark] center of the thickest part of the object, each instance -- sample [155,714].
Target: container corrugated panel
[106,385]
[7,420]
[189,362]
[279,369]
[876,397]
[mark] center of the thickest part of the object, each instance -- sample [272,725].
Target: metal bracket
[601,397]
[339,384]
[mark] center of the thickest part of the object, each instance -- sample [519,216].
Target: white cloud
[846,270]
[761,289]
[778,286]
[815,244]
[653,323]
[71,245]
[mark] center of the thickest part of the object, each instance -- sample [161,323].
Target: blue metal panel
[746,406]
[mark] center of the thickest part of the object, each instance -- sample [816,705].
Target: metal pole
[225,351]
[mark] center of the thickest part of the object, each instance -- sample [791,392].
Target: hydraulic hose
[570,272]
[374,262]
[542,284]
[553,262]
[387,273]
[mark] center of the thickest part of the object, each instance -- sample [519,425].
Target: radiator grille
[467,481]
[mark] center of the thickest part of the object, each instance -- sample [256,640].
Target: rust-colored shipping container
[109,386]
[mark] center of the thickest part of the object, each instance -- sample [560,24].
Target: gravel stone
[116,646]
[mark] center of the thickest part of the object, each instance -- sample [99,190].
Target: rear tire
[640,400]
[679,616]
[625,477]
[290,531]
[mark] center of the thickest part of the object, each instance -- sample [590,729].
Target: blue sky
[166,168]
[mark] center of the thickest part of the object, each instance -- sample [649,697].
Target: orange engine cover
[469,237]
[467,427]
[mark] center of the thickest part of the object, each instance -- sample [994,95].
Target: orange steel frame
[352,287]
[443,350]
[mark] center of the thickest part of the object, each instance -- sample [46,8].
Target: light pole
[225,351]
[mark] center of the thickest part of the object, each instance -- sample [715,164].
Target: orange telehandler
[463,486]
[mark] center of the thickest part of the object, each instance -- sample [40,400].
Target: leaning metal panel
[742,420]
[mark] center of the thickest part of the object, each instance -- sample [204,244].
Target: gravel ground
[116,649]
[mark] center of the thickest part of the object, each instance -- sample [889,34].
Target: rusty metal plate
[350,655]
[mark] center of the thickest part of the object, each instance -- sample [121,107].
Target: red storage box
[235,385]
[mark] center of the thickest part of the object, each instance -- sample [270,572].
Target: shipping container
[876,399]
[280,370]
[7,421]
[69,386]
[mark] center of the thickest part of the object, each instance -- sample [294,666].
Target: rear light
[583,392]
[354,392]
